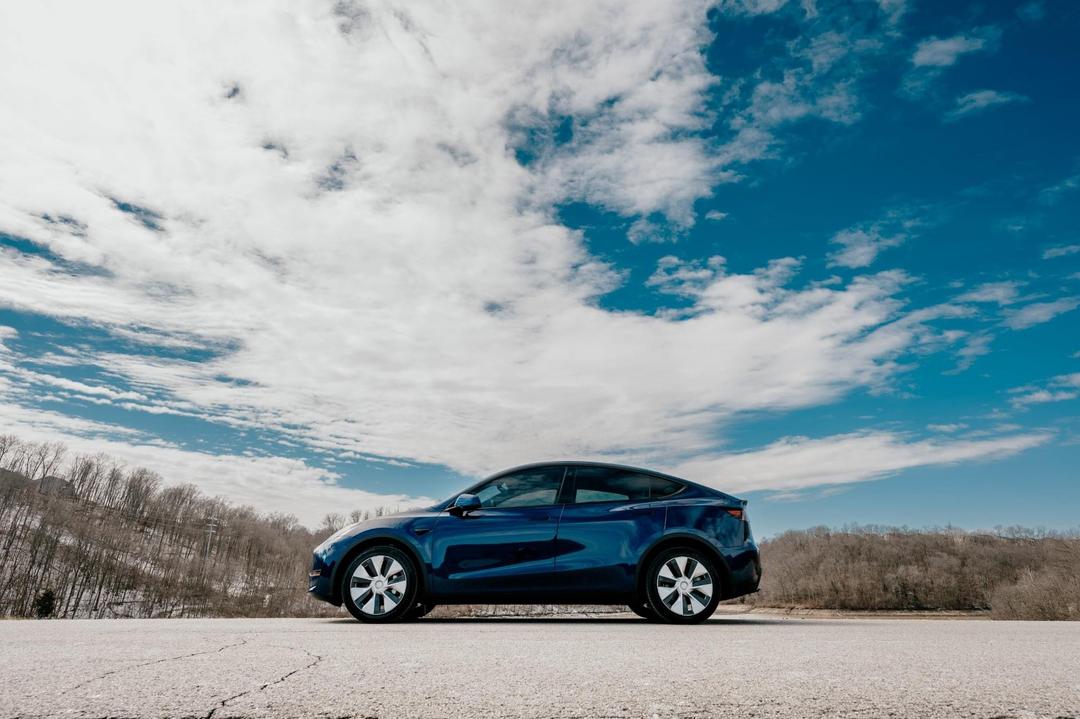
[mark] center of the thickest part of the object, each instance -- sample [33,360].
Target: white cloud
[1015,314]
[716,215]
[860,247]
[751,7]
[797,462]
[976,345]
[1061,251]
[946,428]
[980,100]
[268,483]
[80,388]
[633,148]
[943,52]
[933,55]
[322,198]
[1039,312]
[674,276]
[1042,396]
[1052,194]
[1001,293]
[894,9]
[817,78]
[1059,389]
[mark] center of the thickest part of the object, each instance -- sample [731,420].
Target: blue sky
[328,256]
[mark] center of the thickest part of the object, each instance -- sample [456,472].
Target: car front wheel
[380,585]
[683,586]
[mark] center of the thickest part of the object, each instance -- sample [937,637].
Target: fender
[672,538]
[362,540]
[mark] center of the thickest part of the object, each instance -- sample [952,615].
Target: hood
[396,520]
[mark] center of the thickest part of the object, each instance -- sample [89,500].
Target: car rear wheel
[380,585]
[683,585]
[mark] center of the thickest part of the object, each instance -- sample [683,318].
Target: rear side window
[604,484]
[663,487]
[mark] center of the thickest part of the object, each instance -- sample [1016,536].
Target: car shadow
[577,619]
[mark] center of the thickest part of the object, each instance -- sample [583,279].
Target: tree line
[1012,572]
[85,536]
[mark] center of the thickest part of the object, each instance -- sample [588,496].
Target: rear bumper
[744,571]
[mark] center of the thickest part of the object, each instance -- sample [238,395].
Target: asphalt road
[745,666]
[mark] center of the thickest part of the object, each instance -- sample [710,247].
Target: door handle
[539,517]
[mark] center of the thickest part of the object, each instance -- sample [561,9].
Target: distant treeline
[1013,573]
[86,537]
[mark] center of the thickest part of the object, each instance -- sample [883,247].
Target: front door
[504,551]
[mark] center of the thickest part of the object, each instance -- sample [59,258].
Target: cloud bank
[335,223]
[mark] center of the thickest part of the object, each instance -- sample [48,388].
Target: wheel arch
[672,541]
[367,542]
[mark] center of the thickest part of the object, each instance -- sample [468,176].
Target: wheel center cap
[379,584]
[684,586]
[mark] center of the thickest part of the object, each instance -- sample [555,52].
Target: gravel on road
[606,666]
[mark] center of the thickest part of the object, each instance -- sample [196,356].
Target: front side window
[528,488]
[603,484]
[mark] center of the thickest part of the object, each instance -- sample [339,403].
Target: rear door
[506,549]
[609,519]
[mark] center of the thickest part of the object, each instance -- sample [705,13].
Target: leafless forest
[1012,573]
[85,537]
[82,536]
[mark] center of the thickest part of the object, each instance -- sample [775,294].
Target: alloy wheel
[378,585]
[685,586]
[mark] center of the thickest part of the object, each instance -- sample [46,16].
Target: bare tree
[333,522]
[8,442]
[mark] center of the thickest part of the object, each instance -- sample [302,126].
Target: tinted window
[529,488]
[601,484]
[663,487]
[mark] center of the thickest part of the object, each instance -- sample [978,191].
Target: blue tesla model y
[552,533]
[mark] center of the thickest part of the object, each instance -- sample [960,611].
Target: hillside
[106,541]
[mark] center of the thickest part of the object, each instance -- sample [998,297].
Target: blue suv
[552,533]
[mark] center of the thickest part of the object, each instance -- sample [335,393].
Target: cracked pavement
[607,666]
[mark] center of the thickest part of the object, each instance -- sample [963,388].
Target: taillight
[736,513]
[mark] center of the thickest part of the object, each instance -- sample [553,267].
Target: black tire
[684,599]
[377,598]
[643,610]
[420,610]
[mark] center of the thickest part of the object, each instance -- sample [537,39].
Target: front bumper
[321,580]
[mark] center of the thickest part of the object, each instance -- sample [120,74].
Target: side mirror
[465,503]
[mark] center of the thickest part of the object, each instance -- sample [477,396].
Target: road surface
[620,666]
